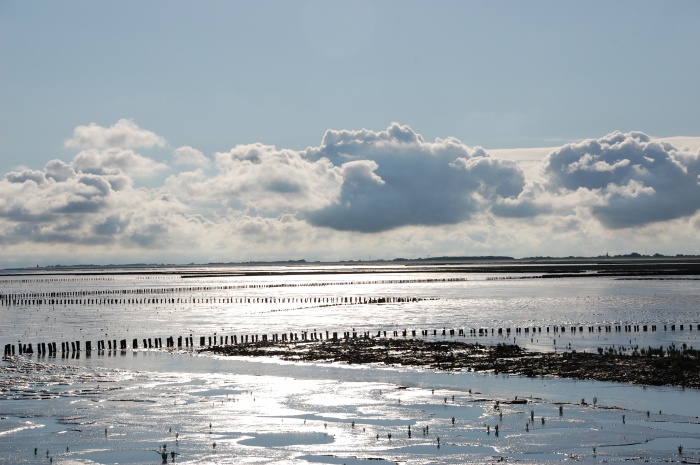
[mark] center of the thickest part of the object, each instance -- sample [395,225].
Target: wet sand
[674,368]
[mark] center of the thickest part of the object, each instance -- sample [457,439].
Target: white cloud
[263,179]
[59,171]
[116,161]
[407,181]
[24,176]
[123,134]
[46,205]
[189,156]
[684,143]
[381,193]
[90,201]
[639,180]
[89,210]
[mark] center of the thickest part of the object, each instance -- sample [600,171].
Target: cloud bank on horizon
[359,193]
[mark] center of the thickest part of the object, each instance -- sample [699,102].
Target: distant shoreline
[545,267]
[437,260]
[672,367]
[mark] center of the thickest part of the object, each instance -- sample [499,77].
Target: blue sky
[160,105]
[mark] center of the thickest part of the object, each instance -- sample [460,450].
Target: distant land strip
[534,268]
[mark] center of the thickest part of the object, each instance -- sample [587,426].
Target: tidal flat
[468,396]
[653,366]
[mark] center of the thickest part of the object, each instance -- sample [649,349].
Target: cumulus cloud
[366,181]
[123,134]
[636,180]
[86,209]
[59,171]
[263,179]
[387,193]
[24,176]
[45,203]
[189,156]
[90,200]
[394,178]
[116,161]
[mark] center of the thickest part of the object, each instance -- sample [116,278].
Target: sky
[226,131]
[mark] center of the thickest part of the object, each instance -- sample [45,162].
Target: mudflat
[654,367]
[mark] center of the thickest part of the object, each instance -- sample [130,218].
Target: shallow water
[298,413]
[110,407]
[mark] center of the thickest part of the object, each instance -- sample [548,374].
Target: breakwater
[190,342]
[156,295]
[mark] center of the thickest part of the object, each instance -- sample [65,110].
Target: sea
[137,400]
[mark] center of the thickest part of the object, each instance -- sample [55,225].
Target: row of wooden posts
[209,300]
[51,348]
[25,298]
